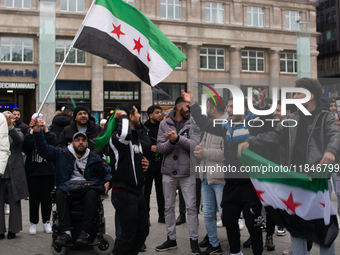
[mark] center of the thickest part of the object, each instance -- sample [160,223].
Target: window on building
[214,12]
[132,2]
[253,61]
[75,57]
[328,35]
[18,3]
[16,49]
[171,9]
[288,63]
[255,16]
[172,89]
[211,58]
[291,18]
[72,5]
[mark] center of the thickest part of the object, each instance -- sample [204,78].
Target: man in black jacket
[314,140]
[62,120]
[154,171]
[82,122]
[127,146]
[17,121]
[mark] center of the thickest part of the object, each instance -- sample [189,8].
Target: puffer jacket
[64,165]
[4,144]
[324,136]
[213,155]
[176,156]
[66,135]
[59,122]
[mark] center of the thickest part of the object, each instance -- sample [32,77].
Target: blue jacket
[64,165]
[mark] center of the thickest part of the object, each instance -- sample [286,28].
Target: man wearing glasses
[74,164]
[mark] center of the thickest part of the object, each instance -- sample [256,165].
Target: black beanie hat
[78,109]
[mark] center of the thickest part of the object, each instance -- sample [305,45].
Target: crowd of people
[35,158]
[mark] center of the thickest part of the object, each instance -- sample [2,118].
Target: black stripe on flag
[101,44]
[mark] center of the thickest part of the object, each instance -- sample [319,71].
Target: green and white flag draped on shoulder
[117,31]
[294,201]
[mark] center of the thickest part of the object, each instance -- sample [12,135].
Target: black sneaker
[181,219]
[212,250]
[161,219]
[11,235]
[205,242]
[194,247]
[167,245]
[63,240]
[143,249]
[269,243]
[83,239]
[2,236]
[247,244]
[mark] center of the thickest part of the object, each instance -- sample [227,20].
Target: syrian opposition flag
[117,31]
[294,201]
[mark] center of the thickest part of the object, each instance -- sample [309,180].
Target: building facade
[245,43]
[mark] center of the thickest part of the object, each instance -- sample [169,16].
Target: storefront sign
[164,102]
[14,85]
[11,72]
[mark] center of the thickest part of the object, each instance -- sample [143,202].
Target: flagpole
[62,64]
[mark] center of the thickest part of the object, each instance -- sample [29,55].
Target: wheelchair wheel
[59,250]
[105,247]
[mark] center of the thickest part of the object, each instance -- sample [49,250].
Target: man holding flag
[301,204]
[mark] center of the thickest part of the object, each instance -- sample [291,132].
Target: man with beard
[155,158]
[82,122]
[238,193]
[74,164]
[175,137]
[17,121]
[127,145]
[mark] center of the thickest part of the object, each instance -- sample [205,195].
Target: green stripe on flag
[157,40]
[284,176]
[112,125]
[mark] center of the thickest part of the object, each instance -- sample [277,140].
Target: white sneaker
[47,228]
[33,229]
[289,251]
[219,224]
[281,232]
[6,208]
[240,224]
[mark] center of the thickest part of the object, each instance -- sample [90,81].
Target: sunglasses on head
[80,139]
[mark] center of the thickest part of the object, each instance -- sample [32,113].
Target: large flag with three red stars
[117,31]
[294,201]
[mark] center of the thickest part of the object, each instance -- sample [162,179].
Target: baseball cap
[79,134]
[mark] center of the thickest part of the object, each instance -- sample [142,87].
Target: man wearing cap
[74,164]
[82,122]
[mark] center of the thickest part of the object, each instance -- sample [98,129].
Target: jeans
[210,195]
[132,215]
[300,247]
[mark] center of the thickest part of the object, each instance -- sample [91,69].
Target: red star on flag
[259,194]
[323,205]
[117,31]
[290,203]
[148,56]
[138,45]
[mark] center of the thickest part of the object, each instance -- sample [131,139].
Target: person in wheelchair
[75,167]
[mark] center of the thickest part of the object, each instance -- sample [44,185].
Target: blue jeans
[211,194]
[300,247]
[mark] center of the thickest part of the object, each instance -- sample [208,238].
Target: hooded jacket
[322,132]
[66,135]
[4,144]
[64,162]
[127,148]
[176,156]
[59,122]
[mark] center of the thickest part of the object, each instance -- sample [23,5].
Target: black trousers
[132,215]
[149,177]
[90,200]
[270,226]
[182,207]
[237,198]
[39,188]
